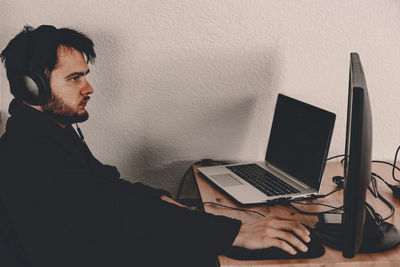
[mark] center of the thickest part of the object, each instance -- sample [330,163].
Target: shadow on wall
[169,176]
[223,131]
[226,126]
[146,166]
[203,107]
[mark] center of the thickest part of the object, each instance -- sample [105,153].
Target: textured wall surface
[176,81]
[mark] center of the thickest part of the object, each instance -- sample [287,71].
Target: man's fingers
[296,227]
[282,245]
[288,237]
[282,233]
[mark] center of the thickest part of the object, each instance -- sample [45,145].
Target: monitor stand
[376,238]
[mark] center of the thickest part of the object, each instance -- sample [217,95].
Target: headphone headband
[39,45]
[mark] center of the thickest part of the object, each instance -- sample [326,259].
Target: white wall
[177,81]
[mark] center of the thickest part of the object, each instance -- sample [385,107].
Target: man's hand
[170,200]
[269,232]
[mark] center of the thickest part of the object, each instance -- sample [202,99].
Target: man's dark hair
[29,45]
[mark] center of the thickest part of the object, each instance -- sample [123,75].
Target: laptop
[295,158]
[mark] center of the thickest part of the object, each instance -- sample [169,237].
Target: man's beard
[62,112]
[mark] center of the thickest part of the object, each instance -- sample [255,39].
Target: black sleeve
[138,188]
[145,189]
[109,171]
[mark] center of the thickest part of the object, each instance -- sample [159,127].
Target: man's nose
[87,89]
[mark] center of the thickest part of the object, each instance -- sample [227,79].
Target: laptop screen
[299,139]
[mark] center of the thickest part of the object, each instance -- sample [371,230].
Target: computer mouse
[315,250]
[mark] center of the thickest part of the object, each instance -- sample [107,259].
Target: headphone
[33,86]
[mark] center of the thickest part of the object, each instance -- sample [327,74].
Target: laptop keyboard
[264,181]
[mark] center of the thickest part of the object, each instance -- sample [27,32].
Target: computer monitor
[358,229]
[357,162]
[363,232]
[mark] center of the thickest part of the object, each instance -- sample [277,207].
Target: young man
[68,209]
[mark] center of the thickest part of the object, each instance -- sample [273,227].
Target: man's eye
[75,78]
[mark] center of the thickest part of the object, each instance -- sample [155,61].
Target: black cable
[314,204]
[390,164]
[232,208]
[333,210]
[394,164]
[338,156]
[80,133]
[380,178]
[395,188]
[334,157]
[392,208]
[328,194]
[382,198]
[377,217]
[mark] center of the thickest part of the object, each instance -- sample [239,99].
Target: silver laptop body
[296,154]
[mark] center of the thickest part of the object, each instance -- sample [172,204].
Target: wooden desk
[332,257]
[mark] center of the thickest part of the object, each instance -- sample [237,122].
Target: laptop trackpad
[226,180]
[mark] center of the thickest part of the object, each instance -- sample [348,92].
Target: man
[68,209]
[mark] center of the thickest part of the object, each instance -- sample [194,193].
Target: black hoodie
[68,209]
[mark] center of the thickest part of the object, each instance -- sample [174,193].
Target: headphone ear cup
[35,89]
